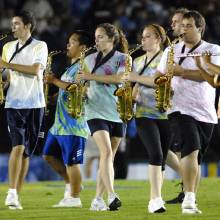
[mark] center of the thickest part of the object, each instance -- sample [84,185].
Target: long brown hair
[120,42]
[160,33]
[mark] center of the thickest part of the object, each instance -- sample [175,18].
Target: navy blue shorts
[24,127]
[115,129]
[69,148]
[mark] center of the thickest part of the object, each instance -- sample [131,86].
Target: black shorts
[24,126]
[115,129]
[192,134]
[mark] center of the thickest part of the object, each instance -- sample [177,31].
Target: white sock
[13,191]
[67,188]
[111,195]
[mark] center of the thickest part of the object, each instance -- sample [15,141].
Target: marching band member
[104,70]
[65,143]
[193,111]
[26,60]
[152,125]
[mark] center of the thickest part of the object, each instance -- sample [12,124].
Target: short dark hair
[27,18]
[198,18]
[181,11]
[85,37]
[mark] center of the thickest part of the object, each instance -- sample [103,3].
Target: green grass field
[37,199]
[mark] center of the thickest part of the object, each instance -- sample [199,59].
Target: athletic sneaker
[114,202]
[156,205]
[98,204]
[189,201]
[18,207]
[11,199]
[191,211]
[69,202]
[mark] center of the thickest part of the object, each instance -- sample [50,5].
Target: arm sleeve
[40,54]
[215,59]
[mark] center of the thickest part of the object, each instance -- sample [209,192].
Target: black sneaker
[115,204]
[178,199]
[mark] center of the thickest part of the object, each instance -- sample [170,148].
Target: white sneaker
[69,202]
[66,195]
[18,207]
[11,199]
[114,202]
[156,205]
[191,211]
[189,201]
[98,204]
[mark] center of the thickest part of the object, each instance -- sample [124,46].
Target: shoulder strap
[101,60]
[146,64]
[191,50]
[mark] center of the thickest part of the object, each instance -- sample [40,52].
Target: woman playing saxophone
[103,70]
[152,125]
[64,146]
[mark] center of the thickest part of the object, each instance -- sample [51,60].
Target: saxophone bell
[77,90]
[125,102]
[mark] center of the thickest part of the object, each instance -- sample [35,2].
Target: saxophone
[77,90]
[2,98]
[164,91]
[48,71]
[125,100]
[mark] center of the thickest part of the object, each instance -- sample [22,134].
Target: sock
[67,188]
[13,191]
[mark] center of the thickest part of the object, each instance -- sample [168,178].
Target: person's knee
[106,154]
[156,159]
[18,151]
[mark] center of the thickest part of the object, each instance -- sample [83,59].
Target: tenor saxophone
[77,90]
[164,91]
[125,100]
[2,98]
[48,71]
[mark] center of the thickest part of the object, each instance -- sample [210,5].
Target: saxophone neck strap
[18,50]
[146,64]
[190,51]
[100,60]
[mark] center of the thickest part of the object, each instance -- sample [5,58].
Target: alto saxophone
[125,100]
[48,71]
[2,98]
[77,90]
[164,91]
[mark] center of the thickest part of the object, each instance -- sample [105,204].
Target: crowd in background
[56,18]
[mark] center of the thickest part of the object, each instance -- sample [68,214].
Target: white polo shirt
[26,91]
[196,99]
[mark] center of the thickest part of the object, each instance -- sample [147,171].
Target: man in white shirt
[193,111]
[25,59]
